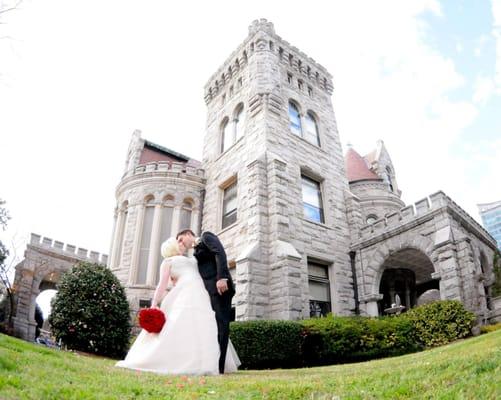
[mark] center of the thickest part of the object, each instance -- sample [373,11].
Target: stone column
[115,245]
[195,221]
[113,235]
[370,301]
[176,216]
[154,246]
[135,248]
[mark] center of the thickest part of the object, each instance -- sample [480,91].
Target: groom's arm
[215,246]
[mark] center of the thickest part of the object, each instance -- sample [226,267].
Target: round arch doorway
[408,274]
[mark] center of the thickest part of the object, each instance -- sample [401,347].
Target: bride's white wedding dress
[187,344]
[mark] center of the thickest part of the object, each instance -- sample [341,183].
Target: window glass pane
[227,136]
[319,291]
[311,192]
[313,213]
[295,119]
[144,249]
[239,123]
[185,219]
[311,130]
[312,200]
[317,270]
[166,223]
[230,205]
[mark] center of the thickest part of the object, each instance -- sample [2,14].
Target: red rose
[151,319]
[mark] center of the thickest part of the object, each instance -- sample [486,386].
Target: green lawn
[468,369]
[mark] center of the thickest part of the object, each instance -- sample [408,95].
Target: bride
[187,343]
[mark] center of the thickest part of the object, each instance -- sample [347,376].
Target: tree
[90,311]
[5,8]
[5,268]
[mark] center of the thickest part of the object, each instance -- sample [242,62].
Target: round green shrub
[90,311]
[440,322]
[267,344]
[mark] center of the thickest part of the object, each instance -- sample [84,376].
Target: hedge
[330,340]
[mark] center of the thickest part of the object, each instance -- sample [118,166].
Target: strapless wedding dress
[187,344]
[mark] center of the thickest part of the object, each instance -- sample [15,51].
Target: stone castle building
[307,229]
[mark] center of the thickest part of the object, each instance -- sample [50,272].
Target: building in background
[491,219]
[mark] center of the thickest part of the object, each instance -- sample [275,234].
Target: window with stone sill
[229,205]
[312,200]
[289,78]
[319,289]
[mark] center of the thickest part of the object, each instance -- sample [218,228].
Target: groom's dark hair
[184,232]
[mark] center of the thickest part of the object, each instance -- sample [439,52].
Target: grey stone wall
[45,260]
[271,240]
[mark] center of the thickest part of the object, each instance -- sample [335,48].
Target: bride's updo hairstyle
[169,248]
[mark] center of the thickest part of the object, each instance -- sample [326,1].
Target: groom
[213,268]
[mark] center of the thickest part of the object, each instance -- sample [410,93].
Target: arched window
[311,134]
[185,217]
[227,139]
[295,119]
[371,219]
[233,130]
[167,212]
[144,248]
[239,122]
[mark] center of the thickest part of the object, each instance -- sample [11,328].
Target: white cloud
[484,88]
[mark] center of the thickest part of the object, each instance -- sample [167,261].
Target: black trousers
[221,304]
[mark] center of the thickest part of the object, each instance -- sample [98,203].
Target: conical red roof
[356,167]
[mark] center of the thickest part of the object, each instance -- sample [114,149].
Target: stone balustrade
[417,210]
[68,249]
[166,166]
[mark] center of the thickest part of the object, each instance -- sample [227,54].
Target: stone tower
[276,182]
[160,192]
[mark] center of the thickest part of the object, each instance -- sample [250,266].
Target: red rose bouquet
[151,319]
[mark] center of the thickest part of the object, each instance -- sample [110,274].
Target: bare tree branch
[12,8]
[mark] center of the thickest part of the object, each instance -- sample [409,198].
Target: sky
[78,77]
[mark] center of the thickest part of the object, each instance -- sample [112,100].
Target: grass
[467,369]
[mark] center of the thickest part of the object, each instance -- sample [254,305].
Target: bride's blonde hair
[169,248]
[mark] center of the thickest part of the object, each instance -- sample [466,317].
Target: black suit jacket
[212,262]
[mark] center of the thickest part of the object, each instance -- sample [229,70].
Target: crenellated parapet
[67,249]
[415,212]
[262,38]
[165,166]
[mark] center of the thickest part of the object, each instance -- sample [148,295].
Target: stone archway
[45,261]
[408,274]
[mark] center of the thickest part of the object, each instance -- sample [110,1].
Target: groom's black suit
[213,266]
